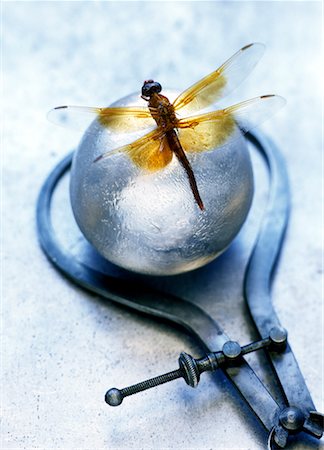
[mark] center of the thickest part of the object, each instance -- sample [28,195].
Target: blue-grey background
[63,347]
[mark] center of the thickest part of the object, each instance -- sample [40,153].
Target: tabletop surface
[63,347]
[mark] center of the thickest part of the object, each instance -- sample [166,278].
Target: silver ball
[114,397]
[149,222]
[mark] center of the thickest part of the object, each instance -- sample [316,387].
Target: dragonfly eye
[150,87]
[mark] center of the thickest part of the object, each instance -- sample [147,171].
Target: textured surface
[149,222]
[62,347]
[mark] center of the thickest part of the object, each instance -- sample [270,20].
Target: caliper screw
[292,419]
[190,368]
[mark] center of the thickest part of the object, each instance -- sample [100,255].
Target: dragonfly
[175,128]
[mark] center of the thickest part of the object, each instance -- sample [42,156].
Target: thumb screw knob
[189,368]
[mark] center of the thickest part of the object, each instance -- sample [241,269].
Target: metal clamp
[296,411]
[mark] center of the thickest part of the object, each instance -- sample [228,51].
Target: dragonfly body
[163,113]
[160,107]
[191,133]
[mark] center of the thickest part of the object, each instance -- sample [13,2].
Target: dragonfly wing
[127,119]
[121,120]
[220,82]
[253,112]
[205,132]
[151,152]
[209,131]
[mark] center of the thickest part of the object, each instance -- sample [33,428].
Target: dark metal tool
[191,368]
[295,412]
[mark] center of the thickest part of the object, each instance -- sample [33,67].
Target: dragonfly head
[150,87]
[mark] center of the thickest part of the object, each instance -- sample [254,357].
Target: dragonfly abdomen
[177,149]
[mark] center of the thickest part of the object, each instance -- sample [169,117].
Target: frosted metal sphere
[149,222]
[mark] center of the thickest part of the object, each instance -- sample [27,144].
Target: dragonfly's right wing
[121,120]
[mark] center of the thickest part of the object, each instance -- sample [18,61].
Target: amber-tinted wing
[212,130]
[121,120]
[151,152]
[219,83]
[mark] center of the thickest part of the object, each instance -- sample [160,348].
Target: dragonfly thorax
[160,107]
[162,111]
